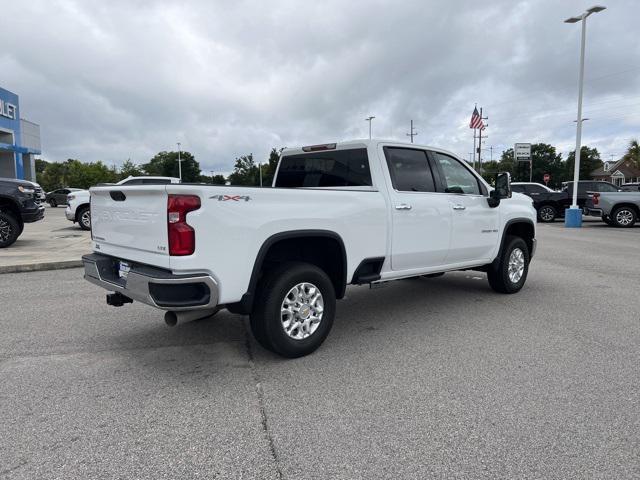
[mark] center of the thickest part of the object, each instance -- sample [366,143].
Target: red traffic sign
[546,177]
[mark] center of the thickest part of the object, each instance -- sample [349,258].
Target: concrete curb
[38,267]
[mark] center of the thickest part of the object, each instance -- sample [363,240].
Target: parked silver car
[618,209]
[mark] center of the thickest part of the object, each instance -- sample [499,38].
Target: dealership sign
[8,109]
[522,152]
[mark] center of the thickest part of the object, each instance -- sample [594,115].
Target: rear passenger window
[156,181]
[409,169]
[535,189]
[336,168]
[518,188]
[605,187]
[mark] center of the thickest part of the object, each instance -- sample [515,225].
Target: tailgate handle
[118,196]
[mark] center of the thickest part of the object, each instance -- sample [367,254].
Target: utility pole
[260,170]
[491,150]
[475,150]
[368,119]
[412,134]
[211,176]
[179,163]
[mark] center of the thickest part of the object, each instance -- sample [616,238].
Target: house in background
[619,172]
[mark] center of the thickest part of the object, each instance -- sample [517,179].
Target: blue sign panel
[10,123]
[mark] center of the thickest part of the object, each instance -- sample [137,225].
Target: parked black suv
[551,205]
[19,204]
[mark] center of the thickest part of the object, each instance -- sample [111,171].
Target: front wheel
[513,266]
[294,310]
[547,213]
[624,217]
[9,229]
[84,218]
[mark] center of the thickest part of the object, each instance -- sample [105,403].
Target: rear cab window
[334,168]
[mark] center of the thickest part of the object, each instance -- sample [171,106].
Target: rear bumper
[153,286]
[593,212]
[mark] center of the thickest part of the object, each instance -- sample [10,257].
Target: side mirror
[502,190]
[503,185]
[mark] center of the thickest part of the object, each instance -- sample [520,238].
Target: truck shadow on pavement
[224,340]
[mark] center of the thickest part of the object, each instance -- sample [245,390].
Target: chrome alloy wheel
[624,217]
[301,311]
[85,218]
[516,265]
[5,230]
[547,213]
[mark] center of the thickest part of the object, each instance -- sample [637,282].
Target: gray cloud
[119,79]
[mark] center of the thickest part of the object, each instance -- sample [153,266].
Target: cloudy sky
[111,80]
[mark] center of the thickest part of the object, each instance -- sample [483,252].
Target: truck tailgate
[131,222]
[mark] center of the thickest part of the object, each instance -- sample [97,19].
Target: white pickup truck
[359,212]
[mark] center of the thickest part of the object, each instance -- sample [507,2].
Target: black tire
[53,203]
[81,216]
[498,277]
[9,229]
[624,217]
[607,219]
[266,318]
[547,213]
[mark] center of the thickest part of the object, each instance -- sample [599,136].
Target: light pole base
[573,218]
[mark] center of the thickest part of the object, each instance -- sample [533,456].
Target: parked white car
[78,206]
[359,212]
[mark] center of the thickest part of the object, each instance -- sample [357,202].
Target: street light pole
[573,215]
[368,119]
[179,163]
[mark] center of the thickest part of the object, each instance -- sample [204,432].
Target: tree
[545,160]
[269,168]
[245,171]
[633,153]
[41,165]
[213,179]
[165,164]
[74,173]
[129,169]
[589,161]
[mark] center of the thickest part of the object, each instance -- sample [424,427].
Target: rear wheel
[294,309]
[84,218]
[607,219]
[547,213]
[9,229]
[624,217]
[513,266]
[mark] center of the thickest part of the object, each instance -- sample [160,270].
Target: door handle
[459,207]
[403,206]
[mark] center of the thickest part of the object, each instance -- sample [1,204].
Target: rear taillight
[596,199]
[182,237]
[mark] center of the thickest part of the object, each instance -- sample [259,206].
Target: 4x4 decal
[235,198]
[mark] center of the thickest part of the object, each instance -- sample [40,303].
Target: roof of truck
[358,143]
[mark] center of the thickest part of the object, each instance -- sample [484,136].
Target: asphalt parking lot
[434,378]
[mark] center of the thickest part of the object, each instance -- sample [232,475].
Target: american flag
[476,120]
